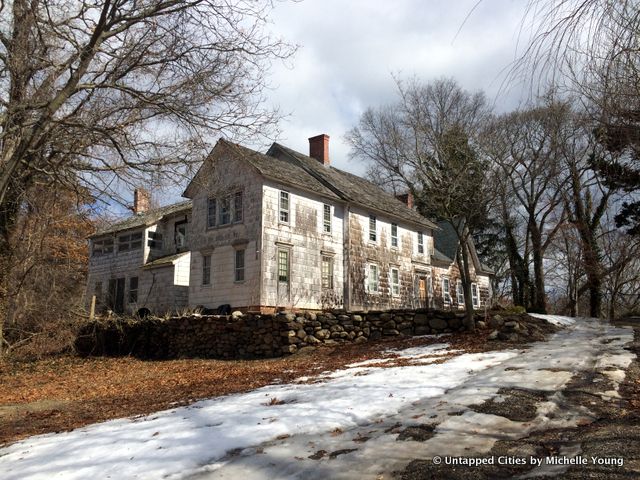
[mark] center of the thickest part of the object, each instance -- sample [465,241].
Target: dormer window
[130,241]
[103,246]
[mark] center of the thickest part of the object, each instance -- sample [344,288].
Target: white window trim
[475,298]
[324,220]
[281,210]
[446,292]
[397,237]
[329,260]
[392,284]
[375,229]
[368,278]
[459,293]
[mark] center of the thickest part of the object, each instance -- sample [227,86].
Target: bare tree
[430,142]
[591,47]
[531,168]
[92,90]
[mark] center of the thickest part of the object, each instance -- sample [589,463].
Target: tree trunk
[465,276]
[538,300]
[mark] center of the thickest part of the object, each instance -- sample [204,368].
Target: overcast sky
[349,51]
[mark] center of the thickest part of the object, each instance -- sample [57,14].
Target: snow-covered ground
[271,432]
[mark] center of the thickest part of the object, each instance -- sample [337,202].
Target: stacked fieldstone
[248,335]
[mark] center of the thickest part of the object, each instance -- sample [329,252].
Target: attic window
[211,212]
[131,241]
[102,247]
[225,211]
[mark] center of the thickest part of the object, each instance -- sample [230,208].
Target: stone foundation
[248,335]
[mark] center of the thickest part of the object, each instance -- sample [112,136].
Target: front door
[422,292]
[116,295]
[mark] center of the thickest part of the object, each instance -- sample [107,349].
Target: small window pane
[284,207]
[225,211]
[327,219]
[460,293]
[237,207]
[395,281]
[373,278]
[133,289]
[372,228]
[239,266]
[211,212]
[283,266]
[327,272]
[206,270]
[420,243]
[394,235]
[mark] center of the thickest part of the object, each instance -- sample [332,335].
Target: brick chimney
[406,198]
[319,148]
[141,200]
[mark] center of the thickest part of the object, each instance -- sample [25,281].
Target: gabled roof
[282,170]
[166,260]
[145,219]
[351,188]
[446,240]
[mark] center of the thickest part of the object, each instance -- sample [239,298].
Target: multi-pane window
[130,241]
[475,295]
[102,247]
[284,207]
[283,266]
[133,289]
[237,207]
[459,293]
[394,235]
[373,236]
[446,295]
[327,273]
[373,280]
[239,266]
[212,205]
[395,282]
[206,270]
[326,217]
[224,217]
[420,242]
[225,210]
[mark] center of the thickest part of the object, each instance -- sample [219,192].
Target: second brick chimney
[141,200]
[319,148]
[406,198]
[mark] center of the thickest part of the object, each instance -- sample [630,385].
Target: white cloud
[349,52]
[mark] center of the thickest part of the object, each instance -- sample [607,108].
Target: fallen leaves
[68,392]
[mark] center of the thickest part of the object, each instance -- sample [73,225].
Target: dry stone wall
[252,335]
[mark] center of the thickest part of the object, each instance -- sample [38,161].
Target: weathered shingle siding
[362,252]
[226,175]
[306,241]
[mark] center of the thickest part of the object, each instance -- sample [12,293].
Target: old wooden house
[278,230]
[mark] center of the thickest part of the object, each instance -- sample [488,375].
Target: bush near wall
[252,335]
